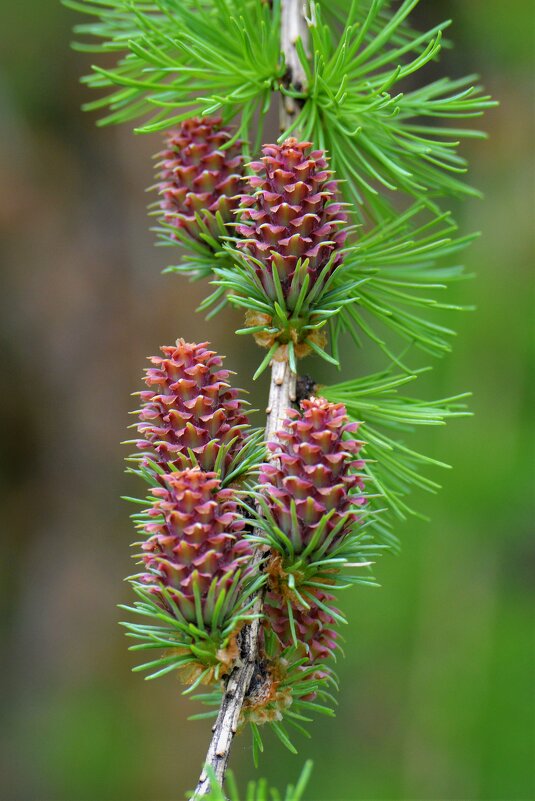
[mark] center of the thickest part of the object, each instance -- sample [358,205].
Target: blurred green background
[437,685]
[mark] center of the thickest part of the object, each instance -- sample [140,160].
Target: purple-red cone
[189,405]
[197,176]
[196,540]
[314,627]
[314,466]
[292,213]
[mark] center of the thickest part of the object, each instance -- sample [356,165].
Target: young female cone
[195,545]
[291,214]
[197,178]
[312,475]
[190,406]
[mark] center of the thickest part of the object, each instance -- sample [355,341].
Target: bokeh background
[437,684]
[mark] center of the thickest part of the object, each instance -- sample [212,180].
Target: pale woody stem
[281,393]
[293,27]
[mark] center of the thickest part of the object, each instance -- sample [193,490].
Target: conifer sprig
[246,539]
[360,107]
[180,59]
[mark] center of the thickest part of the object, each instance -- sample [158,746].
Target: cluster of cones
[193,425]
[285,211]
[191,421]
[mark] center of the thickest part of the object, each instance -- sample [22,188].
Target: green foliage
[192,649]
[176,59]
[301,690]
[383,137]
[293,317]
[393,468]
[395,274]
[320,564]
[199,258]
[259,791]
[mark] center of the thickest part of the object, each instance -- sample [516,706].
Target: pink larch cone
[291,213]
[195,541]
[197,176]
[314,467]
[189,405]
[314,627]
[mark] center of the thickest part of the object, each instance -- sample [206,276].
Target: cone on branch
[198,179]
[313,628]
[292,273]
[194,550]
[290,216]
[190,408]
[310,488]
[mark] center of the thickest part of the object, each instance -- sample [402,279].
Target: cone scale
[189,406]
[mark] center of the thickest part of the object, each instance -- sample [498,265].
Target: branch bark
[281,392]
[293,27]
